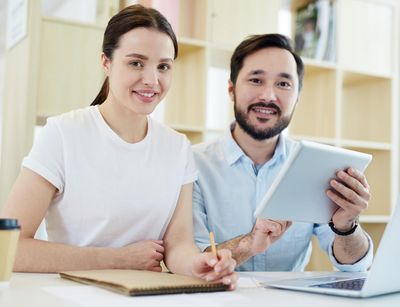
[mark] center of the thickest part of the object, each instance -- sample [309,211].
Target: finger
[229,279]
[158,256]
[354,184]
[349,194]
[352,209]
[226,263]
[359,176]
[209,259]
[156,268]
[159,248]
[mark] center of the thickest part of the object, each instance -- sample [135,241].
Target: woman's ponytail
[102,95]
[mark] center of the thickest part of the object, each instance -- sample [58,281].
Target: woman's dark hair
[129,18]
[256,42]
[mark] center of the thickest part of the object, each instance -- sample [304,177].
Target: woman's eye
[164,67]
[136,64]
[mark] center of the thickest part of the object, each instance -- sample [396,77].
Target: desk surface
[50,290]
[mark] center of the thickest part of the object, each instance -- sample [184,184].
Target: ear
[231,90]
[106,64]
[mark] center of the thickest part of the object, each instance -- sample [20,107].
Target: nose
[150,76]
[267,93]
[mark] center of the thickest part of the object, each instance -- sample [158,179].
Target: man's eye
[255,81]
[284,84]
[164,67]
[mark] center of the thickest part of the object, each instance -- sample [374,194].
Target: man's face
[266,92]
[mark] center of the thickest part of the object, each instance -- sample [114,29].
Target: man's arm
[264,233]
[351,193]
[350,249]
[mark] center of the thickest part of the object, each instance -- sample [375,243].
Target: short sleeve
[191,172]
[46,157]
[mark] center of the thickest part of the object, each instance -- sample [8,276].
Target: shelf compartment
[375,230]
[315,113]
[371,97]
[219,107]
[187,18]
[185,101]
[378,175]
[64,71]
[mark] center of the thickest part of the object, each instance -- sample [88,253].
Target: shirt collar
[233,152]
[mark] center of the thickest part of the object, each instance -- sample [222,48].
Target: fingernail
[209,278]
[213,262]
[217,269]
[226,280]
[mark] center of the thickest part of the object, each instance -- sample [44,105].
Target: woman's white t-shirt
[110,192]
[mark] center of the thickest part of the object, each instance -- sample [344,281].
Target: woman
[114,185]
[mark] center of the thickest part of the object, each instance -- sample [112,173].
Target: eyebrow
[143,57]
[262,72]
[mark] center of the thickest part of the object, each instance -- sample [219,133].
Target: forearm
[350,249]
[47,257]
[179,257]
[240,247]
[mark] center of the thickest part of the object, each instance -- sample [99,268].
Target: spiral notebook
[135,283]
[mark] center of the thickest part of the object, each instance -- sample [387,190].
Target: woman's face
[140,69]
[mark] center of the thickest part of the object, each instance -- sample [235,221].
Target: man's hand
[265,232]
[216,269]
[350,191]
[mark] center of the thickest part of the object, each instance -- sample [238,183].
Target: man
[236,170]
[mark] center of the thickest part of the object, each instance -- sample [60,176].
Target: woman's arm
[182,255]
[29,201]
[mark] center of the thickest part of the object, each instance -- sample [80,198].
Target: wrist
[344,230]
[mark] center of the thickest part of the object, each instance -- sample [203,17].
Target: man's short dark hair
[254,43]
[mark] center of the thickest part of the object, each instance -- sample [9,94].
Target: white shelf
[374,219]
[366,144]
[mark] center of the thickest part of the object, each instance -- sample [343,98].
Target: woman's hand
[216,269]
[142,255]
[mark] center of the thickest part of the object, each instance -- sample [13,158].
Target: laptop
[382,278]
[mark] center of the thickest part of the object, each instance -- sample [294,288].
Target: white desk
[50,290]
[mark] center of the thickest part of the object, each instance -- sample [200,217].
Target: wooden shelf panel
[378,175]
[67,61]
[315,111]
[375,231]
[366,108]
[185,101]
[356,49]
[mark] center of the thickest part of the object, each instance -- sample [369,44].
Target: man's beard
[257,134]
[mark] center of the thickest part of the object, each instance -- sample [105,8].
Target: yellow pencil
[212,244]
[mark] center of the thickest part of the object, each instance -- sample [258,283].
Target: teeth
[147,94]
[264,111]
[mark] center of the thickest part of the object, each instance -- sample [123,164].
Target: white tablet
[299,190]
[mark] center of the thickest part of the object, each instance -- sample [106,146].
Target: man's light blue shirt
[226,194]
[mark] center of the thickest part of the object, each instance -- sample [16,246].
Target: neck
[258,151]
[128,125]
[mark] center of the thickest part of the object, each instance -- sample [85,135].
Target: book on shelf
[135,282]
[315,30]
